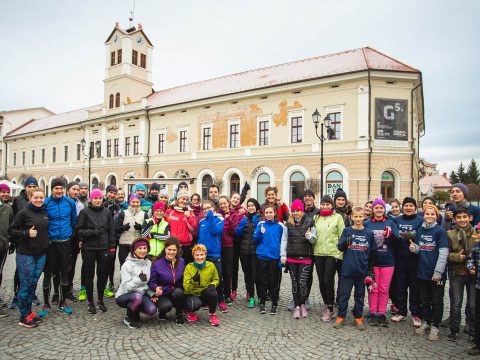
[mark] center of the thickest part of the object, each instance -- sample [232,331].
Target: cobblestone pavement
[243,334]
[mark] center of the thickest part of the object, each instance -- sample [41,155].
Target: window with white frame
[263,131]
[234,134]
[206,137]
[161,142]
[334,181]
[296,129]
[182,140]
[335,130]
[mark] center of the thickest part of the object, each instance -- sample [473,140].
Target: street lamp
[98,144]
[326,122]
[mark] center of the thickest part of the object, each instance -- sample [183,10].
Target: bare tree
[313,184]
[219,184]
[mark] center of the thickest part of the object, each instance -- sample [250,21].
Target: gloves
[143,277]
[308,235]
[137,226]
[126,227]
[151,223]
[11,249]
[246,186]
[156,236]
[196,277]
[387,232]
[211,287]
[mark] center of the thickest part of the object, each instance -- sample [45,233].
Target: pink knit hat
[159,205]
[95,193]
[297,205]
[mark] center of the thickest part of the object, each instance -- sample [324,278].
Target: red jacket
[182,227]
[229,226]
[282,212]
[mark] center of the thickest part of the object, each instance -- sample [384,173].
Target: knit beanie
[163,192]
[463,188]
[409,200]
[155,186]
[95,193]
[4,187]
[308,192]
[340,193]
[140,242]
[134,196]
[255,203]
[111,188]
[83,184]
[158,205]
[430,207]
[182,193]
[378,202]
[57,182]
[297,205]
[182,183]
[326,199]
[140,187]
[70,184]
[31,181]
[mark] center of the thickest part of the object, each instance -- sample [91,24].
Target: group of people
[184,253]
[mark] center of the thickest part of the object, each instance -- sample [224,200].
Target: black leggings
[326,267]
[300,273]
[111,266]
[57,265]
[123,251]
[175,299]
[431,297]
[235,263]
[249,267]
[187,254]
[208,297]
[100,259]
[227,270]
[268,277]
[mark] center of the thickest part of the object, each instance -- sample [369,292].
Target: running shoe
[28,322]
[65,309]
[130,323]
[108,292]
[102,307]
[233,295]
[359,324]
[45,311]
[416,321]
[263,309]
[191,316]
[214,321]
[223,307]
[92,309]
[3,313]
[398,318]
[339,322]
[296,313]
[35,300]
[82,295]
[179,320]
[14,303]
[251,303]
[273,310]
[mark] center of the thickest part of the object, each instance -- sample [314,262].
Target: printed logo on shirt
[427,243]
[380,240]
[359,243]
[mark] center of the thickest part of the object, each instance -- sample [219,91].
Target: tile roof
[318,67]
[435,180]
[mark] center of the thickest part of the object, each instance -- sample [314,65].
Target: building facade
[254,126]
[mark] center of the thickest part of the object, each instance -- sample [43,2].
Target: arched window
[297,185]
[334,182]
[162,186]
[206,182]
[110,102]
[263,181]
[130,186]
[234,184]
[117,100]
[387,187]
[94,183]
[113,180]
[77,180]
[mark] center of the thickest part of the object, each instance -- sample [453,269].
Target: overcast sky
[53,52]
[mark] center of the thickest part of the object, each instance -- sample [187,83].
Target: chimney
[445,175]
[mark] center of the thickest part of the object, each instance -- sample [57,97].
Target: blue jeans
[29,270]
[458,284]
[346,284]
[136,302]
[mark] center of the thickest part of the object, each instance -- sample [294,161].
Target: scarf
[35,208]
[199,266]
[326,212]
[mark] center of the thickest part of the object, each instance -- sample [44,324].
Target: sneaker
[102,307]
[452,336]
[273,310]
[233,295]
[161,316]
[14,303]
[28,322]
[398,318]
[359,324]
[229,301]
[55,299]
[303,311]
[71,297]
[214,320]
[446,322]
[327,315]
[45,311]
[35,317]
[263,309]
[393,309]
[223,307]
[475,351]
[291,305]
[373,320]
[65,309]
[3,313]
[191,316]
[422,329]
[382,321]
[339,322]
[92,309]
[433,336]
[108,292]
[179,320]
[35,300]
[251,303]
[130,322]
[82,295]
[297,313]
[416,321]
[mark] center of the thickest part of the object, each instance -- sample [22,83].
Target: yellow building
[253,126]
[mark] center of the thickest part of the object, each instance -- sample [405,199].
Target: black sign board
[391,119]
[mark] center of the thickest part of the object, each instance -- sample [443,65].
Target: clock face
[140,40]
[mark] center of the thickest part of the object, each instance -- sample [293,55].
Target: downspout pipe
[147,161]
[370,148]
[413,139]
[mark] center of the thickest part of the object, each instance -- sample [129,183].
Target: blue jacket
[385,246]
[62,217]
[210,230]
[269,242]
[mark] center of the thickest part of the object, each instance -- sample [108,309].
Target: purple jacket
[166,274]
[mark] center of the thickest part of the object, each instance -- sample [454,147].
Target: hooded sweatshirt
[210,230]
[130,271]
[269,241]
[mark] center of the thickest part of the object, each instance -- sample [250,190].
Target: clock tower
[128,67]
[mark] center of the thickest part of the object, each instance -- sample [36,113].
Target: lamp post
[326,122]
[90,157]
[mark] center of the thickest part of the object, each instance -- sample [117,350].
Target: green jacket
[329,229]
[6,218]
[460,239]
[208,275]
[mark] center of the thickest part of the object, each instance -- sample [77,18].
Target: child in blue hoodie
[359,248]
[268,234]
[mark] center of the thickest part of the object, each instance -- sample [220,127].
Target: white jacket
[131,216]
[131,282]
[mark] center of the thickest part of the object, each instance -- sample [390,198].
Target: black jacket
[20,202]
[297,244]
[95,228]
[19,230]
